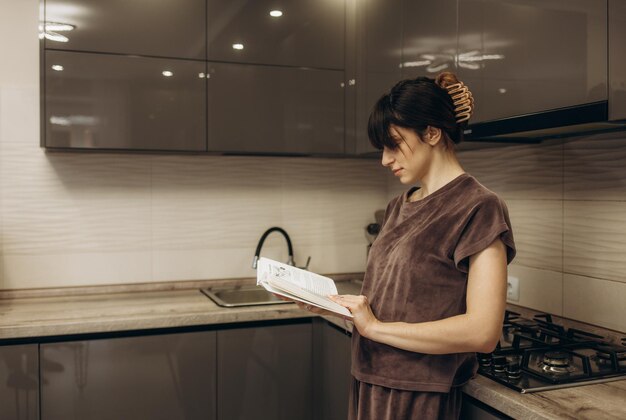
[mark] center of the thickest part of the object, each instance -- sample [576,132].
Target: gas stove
[538,355]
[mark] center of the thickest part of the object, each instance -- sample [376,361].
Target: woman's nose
[387,159]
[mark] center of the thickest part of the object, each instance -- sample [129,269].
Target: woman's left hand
[364,319]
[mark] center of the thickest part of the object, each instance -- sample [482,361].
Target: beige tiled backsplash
[567,201]
[82,219]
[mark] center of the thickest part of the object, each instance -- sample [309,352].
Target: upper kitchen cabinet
[617,60]
[521,57]
[429,40]
[275,109]
[101,101]
[163,28]
[309,33]
[378,57]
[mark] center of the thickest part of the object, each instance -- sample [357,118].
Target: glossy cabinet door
[333,363]
[532,55]
[271,109]
[379,59]
[429,41]
[617,59]
[307,33]
[165,377]
[98,101]
[162,28]
[472,409]
[265,373]
[19,381]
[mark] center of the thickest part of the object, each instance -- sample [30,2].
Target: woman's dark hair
[416,104]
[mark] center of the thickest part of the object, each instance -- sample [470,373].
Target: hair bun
[461,96]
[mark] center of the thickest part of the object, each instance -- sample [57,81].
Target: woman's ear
[432,135]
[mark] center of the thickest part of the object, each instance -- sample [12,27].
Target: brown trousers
[373,402]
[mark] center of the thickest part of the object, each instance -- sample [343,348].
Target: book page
[312,282]
[300,285]
[292,291]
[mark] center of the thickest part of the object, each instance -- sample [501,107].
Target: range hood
[535,127]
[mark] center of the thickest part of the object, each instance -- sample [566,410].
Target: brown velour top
[417,272]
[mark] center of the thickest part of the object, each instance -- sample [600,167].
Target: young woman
[435,284]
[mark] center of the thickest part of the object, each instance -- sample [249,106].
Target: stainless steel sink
[241,296]
[231,297]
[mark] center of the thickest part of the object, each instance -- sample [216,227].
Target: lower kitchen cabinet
[19,382]
[265,372]
[170,376]
[473,409]
[332,368]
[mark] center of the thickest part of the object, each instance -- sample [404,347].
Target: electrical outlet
[512,289]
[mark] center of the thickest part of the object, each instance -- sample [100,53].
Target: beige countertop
[94,310]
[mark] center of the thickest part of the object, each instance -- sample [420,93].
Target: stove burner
[556,363]
[538,354]
[556,359]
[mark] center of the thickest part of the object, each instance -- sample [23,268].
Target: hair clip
[462,100]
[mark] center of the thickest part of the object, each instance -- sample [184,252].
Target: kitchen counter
[31,315]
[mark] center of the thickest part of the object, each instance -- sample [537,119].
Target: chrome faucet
[257,253]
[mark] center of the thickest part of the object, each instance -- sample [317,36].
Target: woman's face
[410,159]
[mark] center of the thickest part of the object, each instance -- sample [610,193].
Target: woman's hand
[364,319]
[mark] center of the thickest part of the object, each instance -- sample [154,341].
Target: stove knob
[498,364]
[484,360]
[513,370]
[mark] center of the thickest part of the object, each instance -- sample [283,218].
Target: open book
[297,284]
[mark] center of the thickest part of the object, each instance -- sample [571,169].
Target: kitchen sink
[232,297]
[241,296]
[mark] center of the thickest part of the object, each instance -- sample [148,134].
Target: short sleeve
[486,222]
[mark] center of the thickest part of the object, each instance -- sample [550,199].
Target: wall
[77,219]
[567,202]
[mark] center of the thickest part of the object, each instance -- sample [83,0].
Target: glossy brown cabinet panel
[166,28]
[168,376]
[271,109]
[98,101]
[334,368]
[308,33]
[265,373]
[533,55]
[379,58]
[19,381]
[429,41]
[617,59]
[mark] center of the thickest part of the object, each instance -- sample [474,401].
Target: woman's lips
[396,171]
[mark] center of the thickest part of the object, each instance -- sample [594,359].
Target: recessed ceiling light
[238,46]
[276,13]
[167,73]
[57,67]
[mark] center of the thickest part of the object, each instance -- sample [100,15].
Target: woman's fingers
[349,300]
[282,297]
